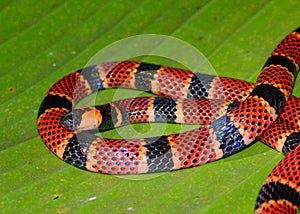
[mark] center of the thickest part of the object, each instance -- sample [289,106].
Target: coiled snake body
[265,111]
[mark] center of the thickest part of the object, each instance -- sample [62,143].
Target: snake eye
[67,120]
[70,121]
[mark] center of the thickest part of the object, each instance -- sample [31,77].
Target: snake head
[82,119]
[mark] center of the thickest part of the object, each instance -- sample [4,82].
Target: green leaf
[41,41]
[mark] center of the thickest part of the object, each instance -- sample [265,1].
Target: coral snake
[264,110]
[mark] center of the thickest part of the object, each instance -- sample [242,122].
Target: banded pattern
[229,132]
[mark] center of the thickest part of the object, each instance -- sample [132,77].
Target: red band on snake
[251,113]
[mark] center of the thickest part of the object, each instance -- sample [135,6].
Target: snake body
[251,112]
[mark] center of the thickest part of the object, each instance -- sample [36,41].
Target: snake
[265,110]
